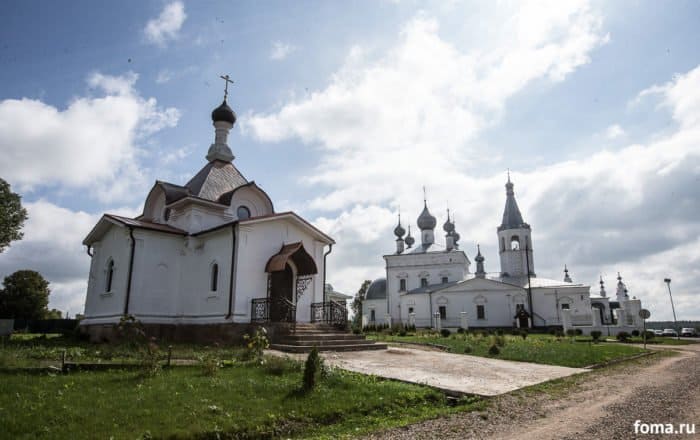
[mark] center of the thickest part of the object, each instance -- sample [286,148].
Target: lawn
[244,399]
[537,348]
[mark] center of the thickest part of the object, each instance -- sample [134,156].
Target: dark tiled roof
[146,224]
[432,287]
[376,290]
[214,180]
[512,218]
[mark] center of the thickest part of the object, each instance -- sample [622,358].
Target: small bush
[623,337]
[523,334]
[494,350]
[635,333]
[460,330]
[255,345]
[552,331]
[402,332]
[356,330]
[559,333]
[499,332]
[571,332]
[467,349]
[650,335]
[210,364]
[596,334]
[312,368]
[277,366]
[445,333]
[514,332]
[579,332]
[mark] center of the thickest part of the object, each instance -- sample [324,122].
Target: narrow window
[243,212]
[166,214]
[372,316]
[514,243]
[110,275]
[444,280]
[424,282]
[410,310]
[480,312]
[565,307]
[402,285]
[443,312]
[214,277]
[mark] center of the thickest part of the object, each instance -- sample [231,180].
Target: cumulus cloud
[281,50]
[166,26]
[614,131]
[92,144]
[423,98]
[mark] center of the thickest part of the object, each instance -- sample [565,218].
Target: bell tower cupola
[514,239]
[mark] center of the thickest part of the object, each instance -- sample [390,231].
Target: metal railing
[330,312]
[267,310]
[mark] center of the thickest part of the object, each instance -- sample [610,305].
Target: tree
[25,296]
[12,215]
[357,304]
[54,314]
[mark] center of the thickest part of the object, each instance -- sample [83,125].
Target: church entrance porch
[290,273]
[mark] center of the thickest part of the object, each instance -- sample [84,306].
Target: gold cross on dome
[227,80]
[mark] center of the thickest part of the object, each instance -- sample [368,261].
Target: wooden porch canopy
[304,262]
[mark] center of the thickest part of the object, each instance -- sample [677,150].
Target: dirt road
[603,404]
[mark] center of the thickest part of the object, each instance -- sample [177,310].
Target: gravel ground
[602,404]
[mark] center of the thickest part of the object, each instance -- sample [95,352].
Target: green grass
[242,401]
[663,341]
[537,348]
[31,350]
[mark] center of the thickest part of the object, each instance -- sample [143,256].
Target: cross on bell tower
[227,79]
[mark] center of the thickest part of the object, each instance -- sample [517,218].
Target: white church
[206,259]
[431,286]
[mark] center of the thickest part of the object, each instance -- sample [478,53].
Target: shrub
[623,336]
[467,349]
[277,366]
[494,350]
[579,332]
[133,333]
[402,332]
[460,330]
[312,367]
[356,330]
[210,364]
[499,332]
[571,332]
[596,334]
[552,331]
[559,333]
[635,333]
[514,331]
[650,334]
[523,334]
[255,345]
[445,333]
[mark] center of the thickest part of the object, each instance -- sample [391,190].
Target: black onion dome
[456,236]
[223,113]
[426,220]
[448,226]
[399,231]
[410,240]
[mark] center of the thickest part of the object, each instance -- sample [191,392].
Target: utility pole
[675,322]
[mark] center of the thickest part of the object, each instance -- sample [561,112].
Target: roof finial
[425,198]
[227,80]
[508,171]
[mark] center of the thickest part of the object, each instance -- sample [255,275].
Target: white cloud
[91,145]
[281,50]
[166,27]
[380,117]
[614,131]
[164,76]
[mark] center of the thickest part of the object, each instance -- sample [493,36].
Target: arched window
[110,276]
[166,214]
[514,243]
[402,285]
[243,212]
[214,277]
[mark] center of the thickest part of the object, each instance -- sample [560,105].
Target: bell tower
[514,239]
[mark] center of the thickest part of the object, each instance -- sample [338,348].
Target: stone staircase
[325,337]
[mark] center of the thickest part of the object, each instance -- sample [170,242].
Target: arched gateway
[289,273]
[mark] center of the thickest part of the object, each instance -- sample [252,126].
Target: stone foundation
[225,334]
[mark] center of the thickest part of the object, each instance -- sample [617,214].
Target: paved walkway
[456,373]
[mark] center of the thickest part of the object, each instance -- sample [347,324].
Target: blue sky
[347,109]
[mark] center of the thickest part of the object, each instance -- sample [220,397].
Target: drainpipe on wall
[430,298]
[89,250]
[131,269]
[330,248]
[231,276]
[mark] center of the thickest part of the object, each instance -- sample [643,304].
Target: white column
[365,321]
[596,318]
[438,324]
[387,317]
[620,315]
[566,319]
[464,323]
[412,319]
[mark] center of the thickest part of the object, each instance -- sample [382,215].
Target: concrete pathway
[453,373]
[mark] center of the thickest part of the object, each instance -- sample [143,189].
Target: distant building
[431,284]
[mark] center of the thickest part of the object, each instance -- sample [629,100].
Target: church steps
[325,337]
[320,342]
